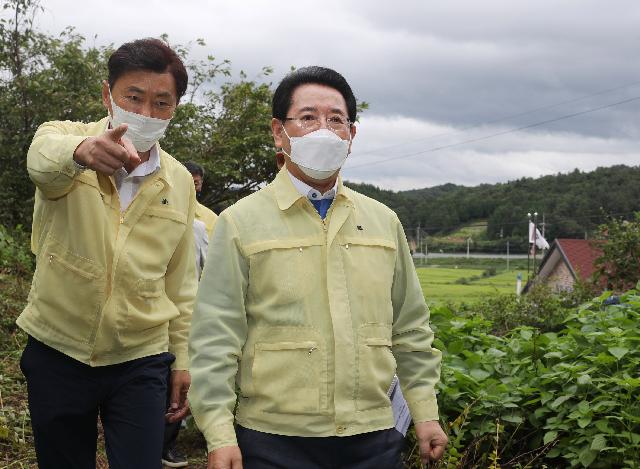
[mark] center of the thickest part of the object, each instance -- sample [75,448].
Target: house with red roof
[567,262]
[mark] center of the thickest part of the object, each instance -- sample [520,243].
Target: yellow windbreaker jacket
[206,216]
[108,287]
[308,320]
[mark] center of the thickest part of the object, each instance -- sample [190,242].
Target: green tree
[41,78]
[229,134]
[620,260]
[225,127]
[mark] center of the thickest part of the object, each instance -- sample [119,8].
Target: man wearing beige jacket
[109,310]
[308,305]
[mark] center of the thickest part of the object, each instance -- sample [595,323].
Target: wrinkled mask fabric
[144,132]
[318,154]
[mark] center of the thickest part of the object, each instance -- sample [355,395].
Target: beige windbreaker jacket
[308,319]
[108,287]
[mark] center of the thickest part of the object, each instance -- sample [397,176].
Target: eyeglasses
[335,122]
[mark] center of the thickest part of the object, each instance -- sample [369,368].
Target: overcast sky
[448,83]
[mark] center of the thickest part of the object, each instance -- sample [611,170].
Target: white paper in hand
[401,414]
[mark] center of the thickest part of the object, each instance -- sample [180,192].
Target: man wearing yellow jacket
[204,214]
[109,310]
[309,305]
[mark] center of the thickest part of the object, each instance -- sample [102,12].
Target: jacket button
[340,429]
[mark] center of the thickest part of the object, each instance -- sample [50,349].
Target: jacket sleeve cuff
[68,165]
[423,410]
[182,360]
[219,436]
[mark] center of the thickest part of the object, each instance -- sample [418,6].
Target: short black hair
[148,54]
[194,168]
[314,74]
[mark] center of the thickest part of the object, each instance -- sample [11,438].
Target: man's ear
[352,130]
[276,131]
[106,102]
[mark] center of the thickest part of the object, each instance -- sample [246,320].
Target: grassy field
[441,285]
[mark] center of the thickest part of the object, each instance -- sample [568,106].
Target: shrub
[15,251]
[535,398]
[620,260]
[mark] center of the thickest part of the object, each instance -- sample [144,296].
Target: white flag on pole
[536,236]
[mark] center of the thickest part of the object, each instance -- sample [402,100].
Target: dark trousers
[375,450]
[66,396]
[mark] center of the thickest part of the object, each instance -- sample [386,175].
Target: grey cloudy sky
[441,77]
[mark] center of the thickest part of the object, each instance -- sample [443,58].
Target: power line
[499,119]
[497,134]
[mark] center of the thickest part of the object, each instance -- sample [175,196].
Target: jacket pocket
[376,366]
[290,377]
[285,269]
[68,292]
[149,307]
[369,265]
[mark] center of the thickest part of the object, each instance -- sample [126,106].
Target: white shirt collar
[311,193]
[143,169]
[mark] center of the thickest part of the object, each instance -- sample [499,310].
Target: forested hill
[573,204]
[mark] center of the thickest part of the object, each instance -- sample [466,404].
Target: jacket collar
[286,193]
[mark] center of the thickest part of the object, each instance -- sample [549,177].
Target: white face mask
[318,154]
[144,132]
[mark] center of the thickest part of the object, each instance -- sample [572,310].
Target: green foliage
[620,260]
[42,78]
[15,252]
[229,134]
[16,439]
[572,203]
[540,308]
[225,127]
[531,397]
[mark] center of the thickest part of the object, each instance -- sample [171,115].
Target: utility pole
[426,250]
[418,239]
[468,241]
[528,244]
[543,226]
[535,234]
[507,255]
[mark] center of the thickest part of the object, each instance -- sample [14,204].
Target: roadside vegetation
[544,380]
[541,381]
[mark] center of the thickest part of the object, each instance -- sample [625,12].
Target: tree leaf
[584,379]
[560,400]
[599,442]
[587,456]
[549,436]
[480,374]
[584,421]
[618,352]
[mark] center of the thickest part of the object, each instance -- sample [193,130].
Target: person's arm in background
[418,364]
[201,244]
[218,333]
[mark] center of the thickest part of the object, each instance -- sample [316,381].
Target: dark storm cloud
[426,66]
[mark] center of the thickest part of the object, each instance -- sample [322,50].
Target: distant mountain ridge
[573,204]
